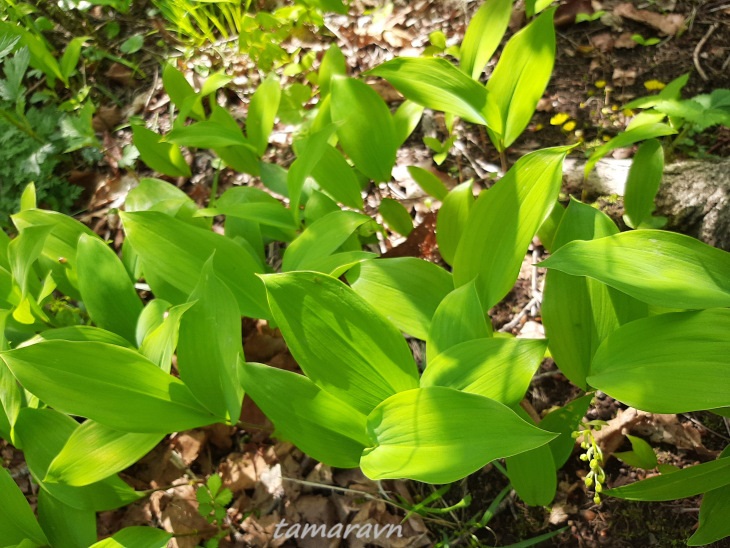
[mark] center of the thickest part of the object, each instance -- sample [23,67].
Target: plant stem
[503,161]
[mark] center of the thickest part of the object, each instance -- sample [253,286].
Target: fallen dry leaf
[624,41]
[669,24]
[189,444]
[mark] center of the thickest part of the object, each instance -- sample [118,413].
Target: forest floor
[598,69]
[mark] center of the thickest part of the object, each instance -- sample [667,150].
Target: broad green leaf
[654,266]
[112,385]
[670,363]
[256,216]
[262,112]
[338,263]
[94,452]
[151,318]
[59,251]
[179,90]
[396,216]
[207,134]
[672,90]
[496,368]
[4,243]
[640,456]
[503,221]
[157,195]
[24,251]
[158,345]
[533,473]
[549,227]
[406,119]
[405,290]
[163,157]
[643,182]
[626,138]
[323,426]
[136,537]
[70,57]
[458,318]
[64,525]
[274,214]
[108,293]
[430,184]
[714,517]
[565,420]
[684,483]
[519,80]
[579,313]
[436,84]
[241,158]
[79,333]
[28,198]
[321,239]
[309,151]
[43,433]
[209,345]
[483,35]
[365,127]
[336,177]
[452,219]
[431,435]
[173,254]
[17,521]
[333,63]
[338,340]
[41,57]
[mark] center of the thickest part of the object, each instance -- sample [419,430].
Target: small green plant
[639,39]
[212,501]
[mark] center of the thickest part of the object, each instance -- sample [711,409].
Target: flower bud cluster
[596,477]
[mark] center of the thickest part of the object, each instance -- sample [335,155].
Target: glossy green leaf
[626,138]
[520,79]
[440,435]
[338,340]
[163,157]
[321,239]
[504,220]
[173,254]
[309,151]
[565,420]
[261,212]
[151,318]
[579,313]
[181,92]
[333,63]
[640,456]
[207,134]
[684,483]
[24,251]
[497,368]
[94,452]
[483,35]
[17,521]
[714,517]
[79,333]
[657,267]
[323,426]
[28,198]
[70,57]
[128,392]
[209,345]
[643,182]
[458,318]
[112,304]
[157,195]
[159,344]
[405,290]
[255,215]
[533,473]
[365,127]
[436,84]
[406,119]
[43,433]
[59,250]
[136,537]
[396,216]
[64,525]
[430,184]
[670,363]
[336,177]
[4,243]
[262,112]
[549,227]
[452,219]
